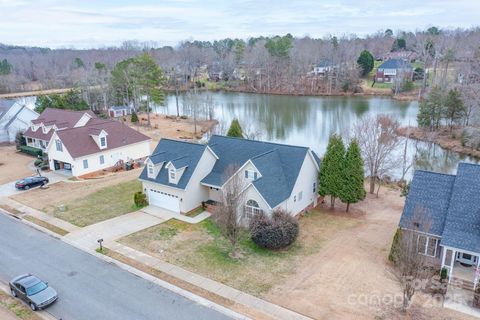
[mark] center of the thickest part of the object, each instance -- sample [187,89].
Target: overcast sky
[100,23]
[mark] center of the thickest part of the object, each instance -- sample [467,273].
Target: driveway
[112,229]
[8,189]
[89,288]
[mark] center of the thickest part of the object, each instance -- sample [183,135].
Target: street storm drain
[72,273]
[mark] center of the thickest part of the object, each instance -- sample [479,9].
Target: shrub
[37,162]
[393,255]
[20,140]
[443,274]
[31,151]
[408,86]
[276,232]
[140,199]
[45,167]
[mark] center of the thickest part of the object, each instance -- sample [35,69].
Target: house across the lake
[179,176]
[119,111]
[14,117]
[394,70]
[448,210]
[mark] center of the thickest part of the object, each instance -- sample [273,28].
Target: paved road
[88,287]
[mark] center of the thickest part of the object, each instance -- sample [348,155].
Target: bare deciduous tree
[229,214]
[378,140]
[411,264]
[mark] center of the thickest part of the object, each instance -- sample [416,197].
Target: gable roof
[79,141]
[59,117]
[5,105]
[279,164]
[452,204]
[181,154]
[462,226]
[395,64]
[429,194]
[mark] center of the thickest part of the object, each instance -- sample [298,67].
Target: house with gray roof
[179,176]
[394,70]
[15,117]
[445,212]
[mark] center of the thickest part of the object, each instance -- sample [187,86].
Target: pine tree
[353,176]
[134,117]
[235,129]
[330,176]
[366,62]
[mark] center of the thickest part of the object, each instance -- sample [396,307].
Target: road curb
[187,294]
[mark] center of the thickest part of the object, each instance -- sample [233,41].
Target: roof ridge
[261,141]
[67,110]
[181,141]
[435,172]
[262,154]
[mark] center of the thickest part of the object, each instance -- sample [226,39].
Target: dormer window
[172,175]
[151,169]
[103,142]
[250,175]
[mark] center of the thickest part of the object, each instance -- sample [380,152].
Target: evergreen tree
[353,176]
[454,107]
[134,117]
[235,129]
[330,176]
[366,62]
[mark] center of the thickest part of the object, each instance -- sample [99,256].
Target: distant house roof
[324,62]
[395,64]
[61,118]
[118,108]
[181,154]
[79,142]
[5,105]
[279,164]
[452,203]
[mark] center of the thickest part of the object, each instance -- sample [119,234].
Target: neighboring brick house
[179,176]
[394,70]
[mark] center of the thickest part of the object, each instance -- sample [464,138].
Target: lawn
[105,203]
[19,309]
[202,249]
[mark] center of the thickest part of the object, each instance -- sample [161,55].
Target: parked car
[30,182]
[33,291]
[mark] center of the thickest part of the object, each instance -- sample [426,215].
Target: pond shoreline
[444,137]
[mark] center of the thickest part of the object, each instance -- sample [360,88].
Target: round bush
[276,232]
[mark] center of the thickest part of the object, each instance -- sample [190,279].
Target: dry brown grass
[14,164]
[16,307]
[46,225]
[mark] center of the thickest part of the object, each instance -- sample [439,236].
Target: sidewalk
[62,224]
[215,287]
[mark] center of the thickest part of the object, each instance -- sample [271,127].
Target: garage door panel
[163,200]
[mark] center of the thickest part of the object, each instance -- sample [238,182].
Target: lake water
[308,121]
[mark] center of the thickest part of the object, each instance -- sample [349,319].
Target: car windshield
[21,181]
[36,288]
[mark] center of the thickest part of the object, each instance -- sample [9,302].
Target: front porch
[462,266]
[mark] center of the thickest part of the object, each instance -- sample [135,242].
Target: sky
[103,23]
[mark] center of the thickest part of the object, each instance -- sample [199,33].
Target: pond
[308,121]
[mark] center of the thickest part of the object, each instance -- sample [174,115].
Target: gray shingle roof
[451,202]
[462,227]
[181,154]
[430,194]
[395,64]
[279,164]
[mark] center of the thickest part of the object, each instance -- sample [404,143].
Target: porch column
[444,255]
[452,262]
[476,273]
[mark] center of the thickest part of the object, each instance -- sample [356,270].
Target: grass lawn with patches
[21,310]
[202,249]
[106,203]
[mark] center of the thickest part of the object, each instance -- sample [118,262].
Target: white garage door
[163,200]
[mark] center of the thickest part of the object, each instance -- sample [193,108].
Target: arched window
[252,208]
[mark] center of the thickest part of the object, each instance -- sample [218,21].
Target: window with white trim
[252,208]
[58,145]
[172,175]
[427,245]
[150,169]
[102,159]
[103,142]
[300,196]
[85,164]
[250,175]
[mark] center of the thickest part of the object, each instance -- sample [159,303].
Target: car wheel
[14,294]
[33,306]
[26,187]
